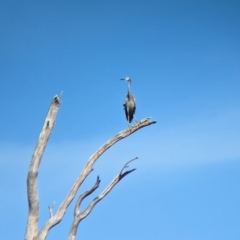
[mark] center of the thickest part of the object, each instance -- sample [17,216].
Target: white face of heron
[128,79]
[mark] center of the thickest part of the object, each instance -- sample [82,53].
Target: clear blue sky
[184,61]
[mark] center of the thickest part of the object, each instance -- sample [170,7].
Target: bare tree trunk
[33,205]
[32,231]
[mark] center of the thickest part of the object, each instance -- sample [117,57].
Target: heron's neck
[129,87]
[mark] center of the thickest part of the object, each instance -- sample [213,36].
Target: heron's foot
[137,122]
[129,127]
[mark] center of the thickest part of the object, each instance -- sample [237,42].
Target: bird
[130,102]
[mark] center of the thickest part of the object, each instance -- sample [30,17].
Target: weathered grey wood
[57,217]
[78,215]
[32,232]
[32,193]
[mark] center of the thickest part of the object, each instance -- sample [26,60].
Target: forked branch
[78,215]
[84,195]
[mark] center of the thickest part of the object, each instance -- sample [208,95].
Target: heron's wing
[129,107]
[125,109]
[125,103]
[135,103]
[134,106]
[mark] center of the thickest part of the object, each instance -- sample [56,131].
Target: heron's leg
[128,123]
[129,127]
[136,120]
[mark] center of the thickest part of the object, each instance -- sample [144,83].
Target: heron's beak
[122,79]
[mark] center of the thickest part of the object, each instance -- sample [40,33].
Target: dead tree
[32,231]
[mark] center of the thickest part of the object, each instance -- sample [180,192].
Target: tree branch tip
[131,160]
[151,119]
[56,99]
[147,119]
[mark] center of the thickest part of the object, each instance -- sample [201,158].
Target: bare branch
[33,205]
[79,216]
[85,172]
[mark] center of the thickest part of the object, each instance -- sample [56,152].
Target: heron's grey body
[130,102]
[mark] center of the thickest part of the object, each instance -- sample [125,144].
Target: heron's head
[128,79]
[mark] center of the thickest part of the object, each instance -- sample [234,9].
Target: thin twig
[126,165]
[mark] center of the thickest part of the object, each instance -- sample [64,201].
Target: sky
[184,61]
